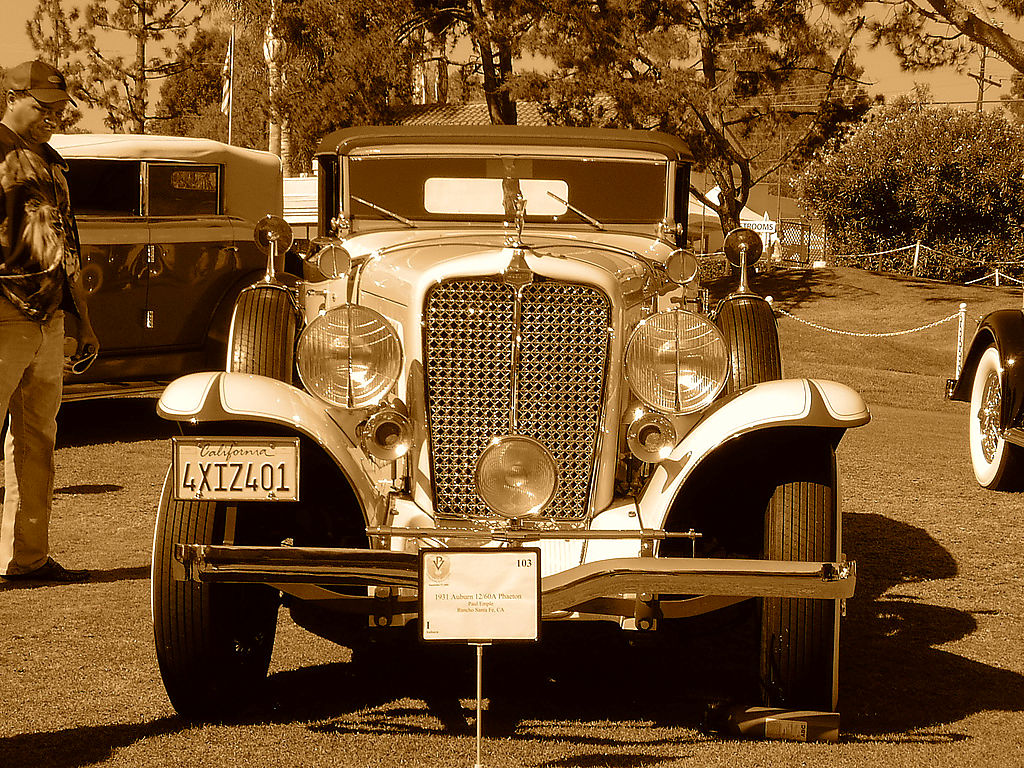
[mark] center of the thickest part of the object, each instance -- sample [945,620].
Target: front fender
[1005,329]
[768,405]
[218,396]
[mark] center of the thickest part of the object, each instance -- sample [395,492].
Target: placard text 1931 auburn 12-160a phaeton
[498,342]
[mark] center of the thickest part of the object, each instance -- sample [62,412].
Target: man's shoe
[51,570]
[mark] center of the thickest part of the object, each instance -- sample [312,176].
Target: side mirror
[743,247]
[271,232]
[273,236]
[329,256]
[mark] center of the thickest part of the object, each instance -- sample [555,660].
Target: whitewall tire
[997,464]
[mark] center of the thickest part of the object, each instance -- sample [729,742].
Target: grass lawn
[932,645]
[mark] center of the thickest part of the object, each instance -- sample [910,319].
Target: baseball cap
[41,80]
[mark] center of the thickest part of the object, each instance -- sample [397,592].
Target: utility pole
[982,81]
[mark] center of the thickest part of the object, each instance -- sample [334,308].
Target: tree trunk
[496,65]
[138,99]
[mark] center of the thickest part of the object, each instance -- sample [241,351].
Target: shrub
[950,179]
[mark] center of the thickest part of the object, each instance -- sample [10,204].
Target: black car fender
[1005,329]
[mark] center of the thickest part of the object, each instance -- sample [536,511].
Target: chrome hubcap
[988,417]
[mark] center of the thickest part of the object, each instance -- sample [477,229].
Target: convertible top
[348,139]
[245,169]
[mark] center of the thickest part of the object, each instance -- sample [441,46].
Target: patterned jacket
[39,246]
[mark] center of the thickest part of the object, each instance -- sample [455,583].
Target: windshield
[454,188]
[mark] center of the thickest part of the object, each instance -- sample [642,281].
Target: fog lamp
[651,437]
[516,476]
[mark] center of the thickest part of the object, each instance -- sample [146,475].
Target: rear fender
[806,403]
[242,397]
[1005,329]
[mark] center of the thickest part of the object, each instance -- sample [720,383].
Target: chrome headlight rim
[497,444]
[718,338]
[350,402]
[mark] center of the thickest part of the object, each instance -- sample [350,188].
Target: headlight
[676,362]
[349,356]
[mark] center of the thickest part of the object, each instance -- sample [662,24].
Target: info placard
[479,595]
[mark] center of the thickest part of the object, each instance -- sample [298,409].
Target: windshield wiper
[385,211]
[589,219]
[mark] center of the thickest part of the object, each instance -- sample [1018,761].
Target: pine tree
[119,85]
[49,31]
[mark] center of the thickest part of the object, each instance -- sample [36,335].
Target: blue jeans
[31,375]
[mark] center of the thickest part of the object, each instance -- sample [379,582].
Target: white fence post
[960,339]
[917,255]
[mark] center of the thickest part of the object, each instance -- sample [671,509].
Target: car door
[193,256]
[106,195]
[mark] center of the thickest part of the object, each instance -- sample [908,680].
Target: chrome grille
[470,329]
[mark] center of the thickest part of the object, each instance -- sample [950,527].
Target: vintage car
[165,225]
[498,343]
[991,380]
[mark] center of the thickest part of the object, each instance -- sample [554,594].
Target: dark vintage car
[499,344]
[991,379]
[166,232]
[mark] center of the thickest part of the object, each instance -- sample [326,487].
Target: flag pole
[231,80]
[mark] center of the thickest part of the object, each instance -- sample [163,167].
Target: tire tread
[752,339]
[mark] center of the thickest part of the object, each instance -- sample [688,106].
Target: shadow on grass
[90,489]
[96,576]
[94,422]
[894,678]
[792,287]
[593,686]
[81,746]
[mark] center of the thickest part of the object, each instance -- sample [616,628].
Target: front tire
[799,666]
[997,464]
[752,337]
[213,641]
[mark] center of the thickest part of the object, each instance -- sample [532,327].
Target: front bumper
[608,587]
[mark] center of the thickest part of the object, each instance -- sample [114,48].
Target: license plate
[235,468]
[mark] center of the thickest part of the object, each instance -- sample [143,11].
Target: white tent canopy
[696,208]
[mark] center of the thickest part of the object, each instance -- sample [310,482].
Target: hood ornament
[518,272]
[515,212]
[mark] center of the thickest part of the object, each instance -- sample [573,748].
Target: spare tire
[752,338]
[262,338]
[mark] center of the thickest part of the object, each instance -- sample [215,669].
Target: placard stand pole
[479,699]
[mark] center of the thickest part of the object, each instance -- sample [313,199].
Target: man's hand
[88,343]
[87,347]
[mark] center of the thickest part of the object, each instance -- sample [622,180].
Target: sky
[882,70]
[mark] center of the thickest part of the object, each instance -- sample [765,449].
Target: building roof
[473,113]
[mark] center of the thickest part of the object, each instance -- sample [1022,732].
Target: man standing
[39,258]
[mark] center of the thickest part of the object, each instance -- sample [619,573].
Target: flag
[225,92]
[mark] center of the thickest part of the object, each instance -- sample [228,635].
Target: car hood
[400,267]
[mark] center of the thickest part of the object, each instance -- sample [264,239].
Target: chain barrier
[873,253]
[861,334]
[960,316]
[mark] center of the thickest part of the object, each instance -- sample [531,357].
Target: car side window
[184,189]
[105,187]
